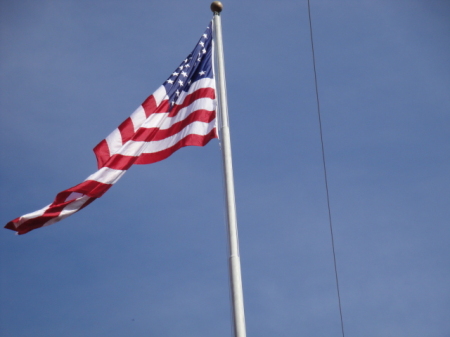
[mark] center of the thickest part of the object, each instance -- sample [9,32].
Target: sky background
[149,258]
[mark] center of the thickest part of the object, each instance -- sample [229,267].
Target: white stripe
[138,117]
[200,84]
[106,175]
[155,120]
[114,141]
[132,148]
[163,122]
[159,95]
[135,149]
[197,128]
[73,196]
[69,210]
[32,215]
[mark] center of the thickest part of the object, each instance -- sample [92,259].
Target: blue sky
[149,258]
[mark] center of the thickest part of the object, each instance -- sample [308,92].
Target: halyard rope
[325,170]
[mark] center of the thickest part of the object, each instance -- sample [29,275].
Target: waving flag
[181,112]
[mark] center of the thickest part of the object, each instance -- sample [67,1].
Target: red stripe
[162,107]
[52,212]
[149,105]
[126,130]
[61,197]
[155,134]
[29,225]
[102,153]
[10,225]
[190,140]
[192,97]
[120,162]
[91,188]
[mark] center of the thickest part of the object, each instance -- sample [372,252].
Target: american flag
[181,112]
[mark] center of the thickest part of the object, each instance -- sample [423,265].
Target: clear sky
[149,258]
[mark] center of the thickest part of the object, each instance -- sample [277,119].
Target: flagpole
[237,297]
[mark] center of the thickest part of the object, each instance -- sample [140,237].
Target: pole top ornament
[216,6]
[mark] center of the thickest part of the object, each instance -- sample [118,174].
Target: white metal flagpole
[237,297]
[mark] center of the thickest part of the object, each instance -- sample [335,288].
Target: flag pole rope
[325,170]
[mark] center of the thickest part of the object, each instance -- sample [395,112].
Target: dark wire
[325,170]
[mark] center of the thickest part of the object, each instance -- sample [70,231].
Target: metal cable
[325,170]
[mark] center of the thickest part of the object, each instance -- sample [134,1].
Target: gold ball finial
[216,6]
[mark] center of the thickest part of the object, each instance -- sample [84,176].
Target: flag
[181,112]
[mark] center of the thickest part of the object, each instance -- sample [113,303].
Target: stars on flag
[195,66]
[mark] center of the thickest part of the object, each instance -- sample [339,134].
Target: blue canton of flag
[197,65]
